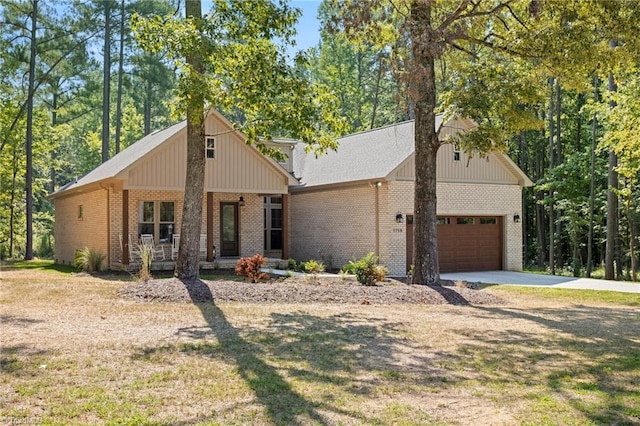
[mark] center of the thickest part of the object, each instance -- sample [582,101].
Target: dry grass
[75,353]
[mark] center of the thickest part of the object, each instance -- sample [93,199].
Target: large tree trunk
[423,90]
[28,255]
[106,80]
[187,264]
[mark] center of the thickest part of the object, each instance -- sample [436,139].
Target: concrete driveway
[538,280]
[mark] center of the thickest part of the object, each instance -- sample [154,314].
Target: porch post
[285,226]
[125,227]
[209,226]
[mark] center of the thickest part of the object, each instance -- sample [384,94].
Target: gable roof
[136,152]
[375,155]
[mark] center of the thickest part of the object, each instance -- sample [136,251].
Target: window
[273,223]
[465,221]
[211,148]
[456,152]
[80,212]
[488,221]
[158,219]
[444,221]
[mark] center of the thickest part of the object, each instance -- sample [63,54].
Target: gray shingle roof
[367,155]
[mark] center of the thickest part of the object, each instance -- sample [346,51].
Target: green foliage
[292,265]
[250,267]
[312,266]
[247,75]
[89,260]
[366,270]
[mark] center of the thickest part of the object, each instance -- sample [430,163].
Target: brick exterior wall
[73,233]
[334,226]
[454,199]
[250,217]
[338,225]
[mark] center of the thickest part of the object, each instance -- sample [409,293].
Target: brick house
[140,191]
[334,208]
[360,199]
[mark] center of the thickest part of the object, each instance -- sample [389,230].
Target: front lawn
[73,352]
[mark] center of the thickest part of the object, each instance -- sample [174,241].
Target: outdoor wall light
[399,218]
[516,218]
[241,201]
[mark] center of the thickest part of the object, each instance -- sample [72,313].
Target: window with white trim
[210,149]
[158,219]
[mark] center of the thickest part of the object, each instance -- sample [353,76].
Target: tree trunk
[376,93]
[54,154]
[187,264]
[148,98]
[28,255]
[106,80]
[592,196]
[120,72]
[540,223]
[423,90]
[612,204]
[632,240]
[552,258]
[558,160]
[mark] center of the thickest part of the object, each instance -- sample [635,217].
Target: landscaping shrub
[367,270]
[146,257]
[313,266]
[250,267]
[292,265]
[88,259]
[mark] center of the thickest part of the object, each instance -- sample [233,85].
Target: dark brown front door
[229,234]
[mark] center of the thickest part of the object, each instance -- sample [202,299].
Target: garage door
[465,243]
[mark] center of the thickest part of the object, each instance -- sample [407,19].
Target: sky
[308,27]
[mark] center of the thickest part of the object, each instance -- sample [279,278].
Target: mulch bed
[307,290]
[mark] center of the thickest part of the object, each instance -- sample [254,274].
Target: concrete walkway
[539,280]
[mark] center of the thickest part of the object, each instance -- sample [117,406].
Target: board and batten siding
[237,167]
[476,169]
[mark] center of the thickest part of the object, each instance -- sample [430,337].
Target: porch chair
[156,251]
[174,246]
[203,245]
[134,252]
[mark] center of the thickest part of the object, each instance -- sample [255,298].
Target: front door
[230,236]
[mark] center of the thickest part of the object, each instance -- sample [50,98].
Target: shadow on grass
[322,353]
[590,360]
[282,403]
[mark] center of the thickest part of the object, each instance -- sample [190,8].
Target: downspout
[377,185]
[108,190]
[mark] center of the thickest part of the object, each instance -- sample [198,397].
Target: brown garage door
[465,243]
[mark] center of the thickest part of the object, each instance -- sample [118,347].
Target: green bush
[349,268]
[292,265]
[89,260]
[313,267]
[250,267]
[367,270]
